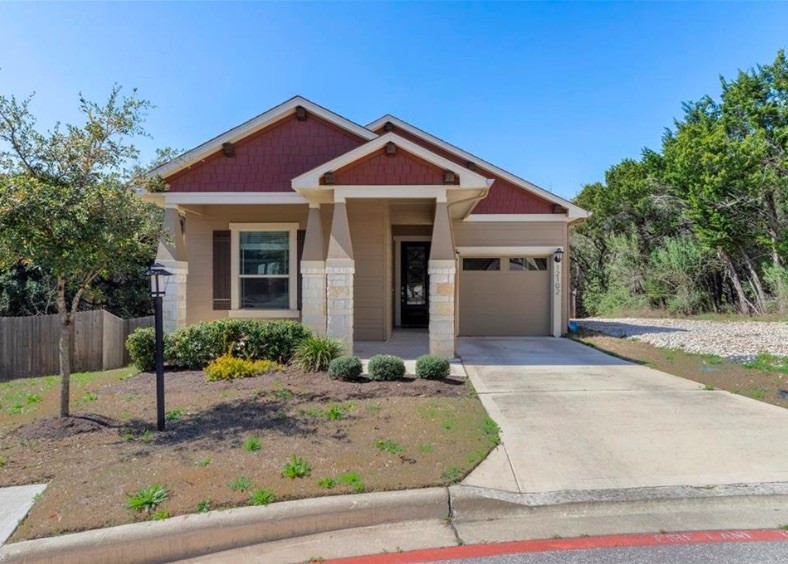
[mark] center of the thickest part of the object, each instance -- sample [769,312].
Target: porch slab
[408,344]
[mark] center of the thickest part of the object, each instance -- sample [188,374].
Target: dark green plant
[345,368]
[386,367]
[314,354]
[160,515]
[174,414]
[432,367]
[326,483]
[387,445]
[297,467]
[491,429]
[261,497]
[251,444]
[147,499]
[203,506]
[141,345]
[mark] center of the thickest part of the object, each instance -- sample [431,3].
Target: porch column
[340,267]
[442,268]
[313,274]
[171,254]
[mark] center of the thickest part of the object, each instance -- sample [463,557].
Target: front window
[264,267]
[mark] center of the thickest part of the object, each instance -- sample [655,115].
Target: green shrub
[432,367]
[386,367]
[261,497]
[345,368]
[297,467]
[228,367]
[314,354]
[141,345]
[193,347]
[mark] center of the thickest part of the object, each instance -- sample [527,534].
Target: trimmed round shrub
[141,345]
[345,368]
[432,367]
[193,347]
[314,354]
[228,367]
[386,367]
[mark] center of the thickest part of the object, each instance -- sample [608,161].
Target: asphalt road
[726,553]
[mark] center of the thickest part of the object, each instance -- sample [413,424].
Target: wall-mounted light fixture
[558,255]
[228,149]
[300,113]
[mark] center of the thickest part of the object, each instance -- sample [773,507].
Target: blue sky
[555,93]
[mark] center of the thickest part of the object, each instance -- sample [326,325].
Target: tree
[68,205]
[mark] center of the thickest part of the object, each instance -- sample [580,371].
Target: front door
[414,284]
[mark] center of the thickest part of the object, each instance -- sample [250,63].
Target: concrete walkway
[15,502]
[408,344]
[573,418]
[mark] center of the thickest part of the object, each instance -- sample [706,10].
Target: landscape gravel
[740,341]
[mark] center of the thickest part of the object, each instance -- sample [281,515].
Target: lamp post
[158,287]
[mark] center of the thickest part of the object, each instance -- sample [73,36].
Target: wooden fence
[29,345]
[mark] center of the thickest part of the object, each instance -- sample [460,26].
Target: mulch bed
[402,434]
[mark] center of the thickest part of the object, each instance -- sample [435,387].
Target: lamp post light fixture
[558,255]
[158,288]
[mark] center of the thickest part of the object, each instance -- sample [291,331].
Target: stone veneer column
[313,274]
[172,256]
[442,269]
[340,268]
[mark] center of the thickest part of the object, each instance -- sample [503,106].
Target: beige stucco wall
[199,248]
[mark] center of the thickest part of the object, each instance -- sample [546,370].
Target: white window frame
[235,269]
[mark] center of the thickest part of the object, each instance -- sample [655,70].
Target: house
[300,213]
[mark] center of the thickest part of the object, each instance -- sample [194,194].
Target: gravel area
[734,340]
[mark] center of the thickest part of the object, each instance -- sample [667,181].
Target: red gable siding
[379,169]
[504,197]
[268,160]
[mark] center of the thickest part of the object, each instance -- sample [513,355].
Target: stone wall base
[174,301]
[339,302]
[443,338]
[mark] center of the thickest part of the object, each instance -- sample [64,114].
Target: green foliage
[314,354]
[241,483]
[141,345]
[389,446]
[327,483]
[386,367]
[453,474]
[345,368]
[261,497]
[769,363]
[147,499]
[203,462]
[251,444]
[204,506]
[228,367]
[160,515]
[297,467]
[174,414]
[432,367]
[353,480]
[193,347]
[491,429]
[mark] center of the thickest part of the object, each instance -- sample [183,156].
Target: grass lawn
[228,443]
[760,379]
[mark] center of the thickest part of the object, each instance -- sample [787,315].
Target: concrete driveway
[573,418]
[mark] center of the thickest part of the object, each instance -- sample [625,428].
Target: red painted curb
[546,545]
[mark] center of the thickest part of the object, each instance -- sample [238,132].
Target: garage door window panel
[528,263]
[481,264]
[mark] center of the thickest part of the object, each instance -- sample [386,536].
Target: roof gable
[503,194]
[257,124]
[370,150]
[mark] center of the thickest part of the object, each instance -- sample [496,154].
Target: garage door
[505,296]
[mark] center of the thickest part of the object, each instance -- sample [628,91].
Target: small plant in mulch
[492,431]
[3,461]
[432,367]
[147,436]
[89,397]
[297,467]
[240,484]
[203,506]
[147,499]
[345,368]
[160,515]
[314,354]
[327,483]
[452,474]
[389,446]
[251,444]
[708,388]
[203,462]
[353,480]
[386,367]
[174,414]
[262,497]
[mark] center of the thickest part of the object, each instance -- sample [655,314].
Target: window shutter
[221,270]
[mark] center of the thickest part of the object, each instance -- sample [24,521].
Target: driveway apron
[573,418]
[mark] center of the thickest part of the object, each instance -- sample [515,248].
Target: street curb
[193,535]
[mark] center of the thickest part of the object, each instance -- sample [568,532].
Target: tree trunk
[64,347]
[773,226]
[744,304]
[755,281]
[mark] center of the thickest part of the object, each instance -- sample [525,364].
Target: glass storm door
[415,284]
